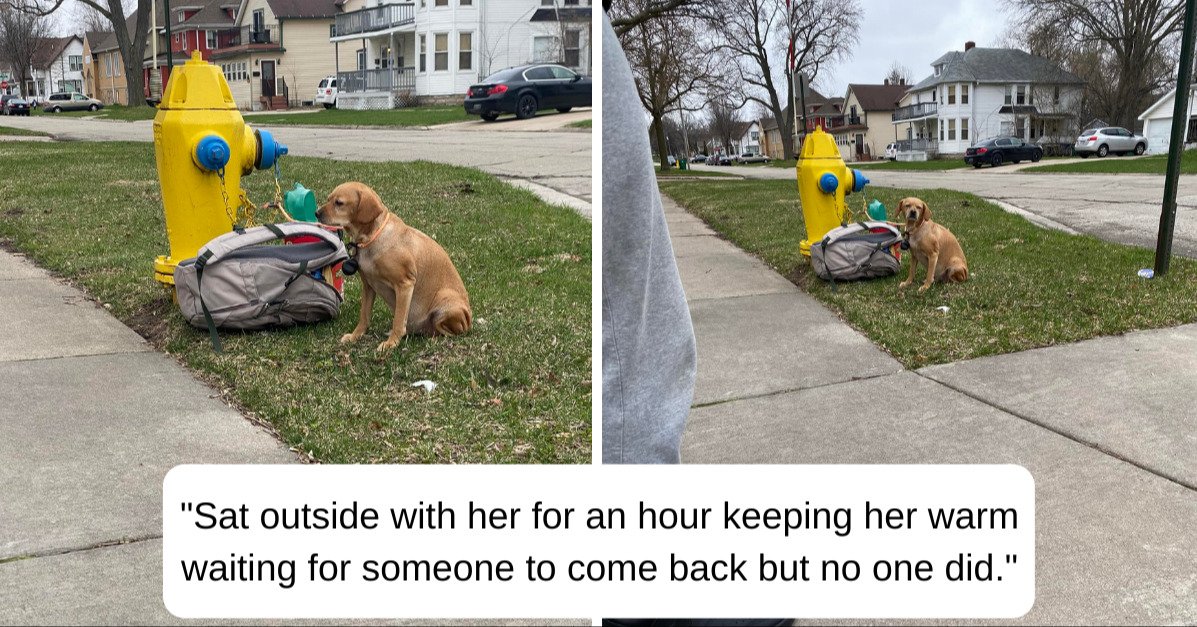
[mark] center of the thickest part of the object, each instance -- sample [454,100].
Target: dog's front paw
[386,346]
[903,285]
[349,338]
[923,288]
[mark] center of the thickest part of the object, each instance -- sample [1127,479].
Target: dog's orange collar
[377,232]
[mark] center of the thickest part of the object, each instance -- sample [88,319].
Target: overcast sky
[915,33]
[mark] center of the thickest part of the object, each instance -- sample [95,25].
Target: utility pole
[1180,122]
[170,55]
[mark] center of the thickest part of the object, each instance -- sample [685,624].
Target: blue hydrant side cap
[858,181]
[212,153]
[268,150]
[828,183]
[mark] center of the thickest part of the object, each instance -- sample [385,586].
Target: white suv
[326,92]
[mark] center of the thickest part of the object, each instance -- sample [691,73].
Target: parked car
[526,89]
[998,150]
[13,105]
[1103,141]
[67,101]
[698,159]
[752,157]
[891,152]
[326,92]
[719,160]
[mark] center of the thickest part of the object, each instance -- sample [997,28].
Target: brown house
[103,69]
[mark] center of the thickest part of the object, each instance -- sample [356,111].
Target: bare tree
[761,33]
[725,122]
[22,35]
[89,20]
[131,43]
[1124,49]
[898,74]
[667,81]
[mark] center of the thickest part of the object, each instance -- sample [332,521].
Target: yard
[1029,287]
[110,112]
[410,116]
[1154,164]
[515,389]
[10,131]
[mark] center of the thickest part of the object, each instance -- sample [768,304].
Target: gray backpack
[238,282]
[861,250]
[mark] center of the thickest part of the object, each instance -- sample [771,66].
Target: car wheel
[93,107]
[1103,151]
[564,109]
[996,159]
[978,165]
[526,107]
[1140,148]
[490,117]
[56,110]
[1036,156]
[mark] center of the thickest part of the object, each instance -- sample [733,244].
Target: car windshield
[1088,131]
[502,76]
[323,83]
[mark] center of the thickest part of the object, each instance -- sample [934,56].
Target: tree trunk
[132,48]
[659,134]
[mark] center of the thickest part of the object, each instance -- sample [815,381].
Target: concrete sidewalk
[1106,427]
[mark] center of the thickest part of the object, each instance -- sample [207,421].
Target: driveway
[534,159]
[1122,208]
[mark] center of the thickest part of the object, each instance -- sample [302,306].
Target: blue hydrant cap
[268,150]
[212,153]
[828,183]
[858,180]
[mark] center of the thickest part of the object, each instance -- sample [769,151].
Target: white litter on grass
[426,384]
[943,308]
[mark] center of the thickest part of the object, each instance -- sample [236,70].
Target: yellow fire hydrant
[823,182]
[202,147]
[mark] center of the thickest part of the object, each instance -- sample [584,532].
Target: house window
[107,66]
[941,132]
[952,130]
[964,129]
[181,16]
[963,96]
[1056,95]
[465,3]
[1021,97]
[465,51]
[423,53]
[1009,92]
[116,66]
[211,36]
[951,94]
[441,3]
[547,3]
[76,62]
[440,59]
[544,49]
[573,48]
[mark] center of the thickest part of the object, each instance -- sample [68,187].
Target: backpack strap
[235,240]
[213,336]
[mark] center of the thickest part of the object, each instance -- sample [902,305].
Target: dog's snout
[913,215]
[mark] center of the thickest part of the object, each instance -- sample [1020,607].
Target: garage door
[1159,132]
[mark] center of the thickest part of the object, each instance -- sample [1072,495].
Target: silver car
[1103,141]
[67,101]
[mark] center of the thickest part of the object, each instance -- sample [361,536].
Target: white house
[979,93]
[57,66]
[750,140]
[1157,122]
[389,54]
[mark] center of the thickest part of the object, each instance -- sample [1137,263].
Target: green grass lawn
[411,116]
[516,388]
[8,130]
[1029,287]
[109,112]
[674,172]
[580,124]
[933,164]
[1155,164]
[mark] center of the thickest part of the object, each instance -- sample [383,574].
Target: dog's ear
[924,212]
[369,205]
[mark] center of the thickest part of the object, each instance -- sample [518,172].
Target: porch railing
[263,34]
[910,112]
[389,79]
[374,19]
[925,145]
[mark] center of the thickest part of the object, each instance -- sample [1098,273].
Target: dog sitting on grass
[932,245]
[414,275]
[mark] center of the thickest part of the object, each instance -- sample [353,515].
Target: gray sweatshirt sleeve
[648,340]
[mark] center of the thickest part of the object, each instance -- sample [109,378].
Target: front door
[859,145]
[268,79]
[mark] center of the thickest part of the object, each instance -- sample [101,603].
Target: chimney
[902,81]
[887,81]
[969,45]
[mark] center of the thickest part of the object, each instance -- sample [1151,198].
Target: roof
[50,49]
[1154,110]
[996,65]
[101,41]
[563,14]
[878,97]
[213,14]
[301,9]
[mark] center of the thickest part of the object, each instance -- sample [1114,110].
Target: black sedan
[526,89]
[998,150]
[13,105]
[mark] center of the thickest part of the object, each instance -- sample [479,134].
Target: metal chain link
[224,193]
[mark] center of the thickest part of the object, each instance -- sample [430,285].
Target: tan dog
[931,245]
[410,270]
